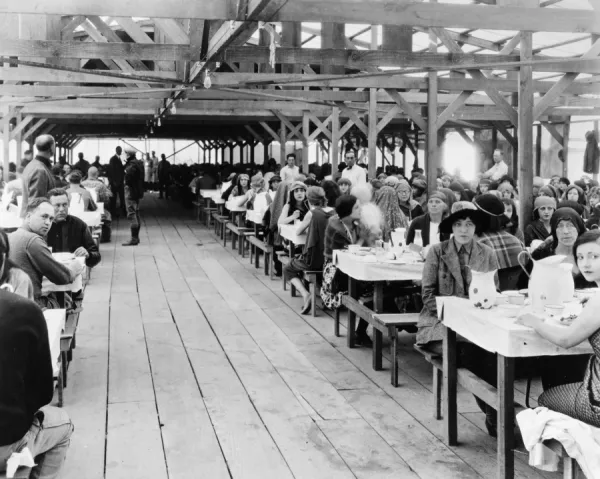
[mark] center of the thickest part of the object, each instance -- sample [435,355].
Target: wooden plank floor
[190,363]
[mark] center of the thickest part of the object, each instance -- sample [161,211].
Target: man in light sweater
[29,250]
[356,174]
[290,171]
[499,169]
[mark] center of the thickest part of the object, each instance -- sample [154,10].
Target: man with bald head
[37,176]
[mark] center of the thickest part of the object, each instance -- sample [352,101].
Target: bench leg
[64,364]
[313,298]
[353,292]
[437,393]
[377,349]
[241,240]
[252,253]
[268,265]
[569,468]
[394,354]
[337,323]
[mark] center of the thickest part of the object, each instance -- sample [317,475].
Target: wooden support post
[432,158]
[596,123]
[6,144]
[372,137]
[19,139]
[333,35]
[566,135]
[282,141]
[306,134]
[525,135]
[335,139]
[291,36]
[538,150]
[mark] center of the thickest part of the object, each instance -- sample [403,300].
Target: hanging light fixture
[158,122]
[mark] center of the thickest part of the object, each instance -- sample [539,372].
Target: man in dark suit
[116,176]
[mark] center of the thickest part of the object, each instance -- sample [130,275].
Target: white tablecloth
[255,216]
[91,218]
[77,285]
[55,321]
[494,332]
[10,221]
[289,233]
[367,268]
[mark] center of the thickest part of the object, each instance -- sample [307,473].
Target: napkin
[16,459]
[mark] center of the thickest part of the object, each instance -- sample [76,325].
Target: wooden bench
[197,209]
[313,278]
[570,466]
[256,245]
[243,237]
[382,323]
[207,212]
[284,259]
[465,378]
[236,233]
[220,222]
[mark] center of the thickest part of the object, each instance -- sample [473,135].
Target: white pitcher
[550,281]
[482,291]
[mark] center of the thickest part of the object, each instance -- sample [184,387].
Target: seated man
[75,187]
[104,195]
[26,387]
[29,250]
[312,257]
[69,234]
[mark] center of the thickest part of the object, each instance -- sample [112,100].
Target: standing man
[37,175]
[164,175]
[290,171]
[134,192]
[499,169]
[82,165]
[116,175]
[154,171]
[356,174]
[27,157]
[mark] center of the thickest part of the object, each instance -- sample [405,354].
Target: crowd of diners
[459,227]
[48,191]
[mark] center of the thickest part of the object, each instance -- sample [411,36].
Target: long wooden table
[368,268]
[492,331]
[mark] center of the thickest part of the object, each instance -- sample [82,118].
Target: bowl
[524,292]
[515,297]
[554,310]
[501,299]
[353,248]
[509,310]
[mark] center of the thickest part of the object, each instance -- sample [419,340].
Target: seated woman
[312,257]
[506,246]
[593,200]
[539,229]
[345,186]
[257,187]
[579,400]
[241,187]
[342,230]
[576,194]
[332,192]
[429,223]
[386,199]
[566,226]
[551,192]
[296,206]
[511,220]
[13,279]
[459,191]
[411,208]
[483,186]
[447,272]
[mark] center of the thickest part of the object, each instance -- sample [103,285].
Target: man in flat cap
[134,192]
[37,176]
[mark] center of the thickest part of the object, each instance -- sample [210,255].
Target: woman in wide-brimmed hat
[447,272]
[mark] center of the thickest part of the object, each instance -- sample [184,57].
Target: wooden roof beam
[374,12]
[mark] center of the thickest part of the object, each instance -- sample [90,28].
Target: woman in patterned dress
[579,400]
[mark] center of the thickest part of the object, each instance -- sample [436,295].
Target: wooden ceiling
[234,70]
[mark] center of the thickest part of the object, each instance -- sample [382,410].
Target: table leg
[378,335]
[506,412]
[450,410]
[353,293]
[393,332]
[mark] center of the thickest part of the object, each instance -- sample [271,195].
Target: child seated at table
[312,257]
[447,272]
